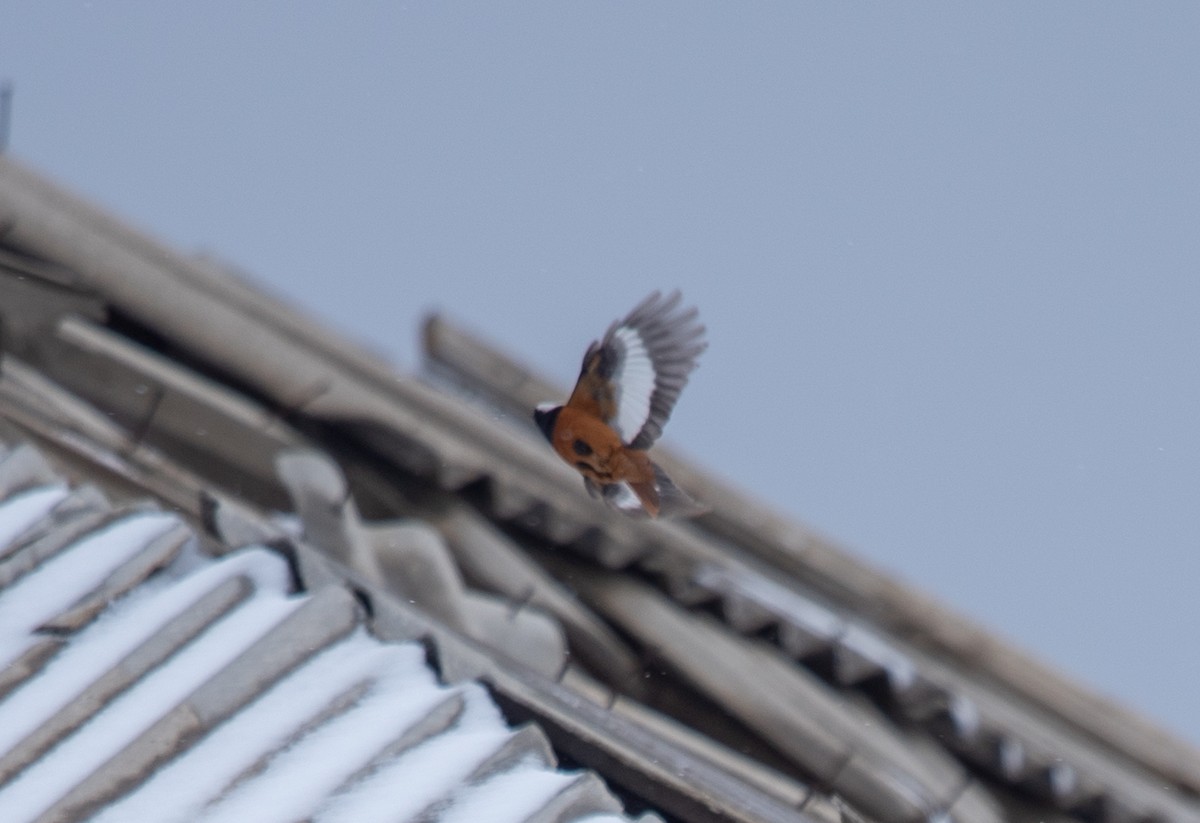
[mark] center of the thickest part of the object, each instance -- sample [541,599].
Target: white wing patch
[644,361]
[623,498]
[634,380]
[619,496]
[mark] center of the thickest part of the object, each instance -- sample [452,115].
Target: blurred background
[947,254]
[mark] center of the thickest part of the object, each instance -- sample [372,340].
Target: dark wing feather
[594,392]
[642,365]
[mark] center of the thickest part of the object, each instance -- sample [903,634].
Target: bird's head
[545,416]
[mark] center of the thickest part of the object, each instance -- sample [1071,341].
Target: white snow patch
[513,795]
[65,578]
[277,759]
[21,511]
[299,779]
[426,773]
[119,631]
[181,790]
[120,723]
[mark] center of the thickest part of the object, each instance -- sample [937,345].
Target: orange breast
[591,446]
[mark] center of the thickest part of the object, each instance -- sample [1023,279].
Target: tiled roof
[735,667]
[145,680]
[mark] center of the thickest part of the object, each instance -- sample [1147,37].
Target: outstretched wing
[632,378]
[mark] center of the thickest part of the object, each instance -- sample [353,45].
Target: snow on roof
[734,668]
[209,690]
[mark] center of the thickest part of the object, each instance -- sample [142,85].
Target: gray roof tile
[698,660]
[157,683]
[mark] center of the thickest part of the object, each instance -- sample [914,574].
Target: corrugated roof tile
[915,702]
[174,686]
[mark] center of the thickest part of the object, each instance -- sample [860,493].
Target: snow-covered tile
[65,578]
[21,511]
[119,724]
[511,796]
[118,632]
[297,781]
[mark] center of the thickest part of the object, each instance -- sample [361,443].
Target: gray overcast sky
[947,253]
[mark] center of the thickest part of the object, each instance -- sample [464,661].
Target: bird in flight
[629,383]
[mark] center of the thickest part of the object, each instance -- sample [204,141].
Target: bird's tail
[672,500]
